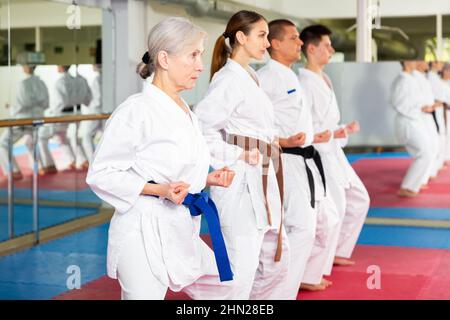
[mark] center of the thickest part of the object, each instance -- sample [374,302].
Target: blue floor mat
[48,216]
[352,157]
[411,213]
[41,272]
[405,236]
[85,195]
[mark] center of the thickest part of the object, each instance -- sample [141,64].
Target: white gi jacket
[427,97]
[235,104]
[292,115]
[65,94]
[95,105]
[407,102]
[149,137]
[83,92]
[440,94]
[31,99]
[322,102]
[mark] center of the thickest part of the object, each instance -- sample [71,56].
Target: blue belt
[199,203]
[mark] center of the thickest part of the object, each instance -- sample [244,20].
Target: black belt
[71,108]
[435,120]
[309,153]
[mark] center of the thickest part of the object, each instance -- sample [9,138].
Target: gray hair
[172,35]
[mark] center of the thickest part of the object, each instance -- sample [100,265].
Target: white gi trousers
[137,281]
[413,134]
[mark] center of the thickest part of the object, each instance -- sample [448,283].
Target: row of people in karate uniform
[421,98]
[70,95]
[288,202]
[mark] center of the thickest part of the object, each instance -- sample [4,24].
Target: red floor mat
[69,180]
[406,274]
[382,178]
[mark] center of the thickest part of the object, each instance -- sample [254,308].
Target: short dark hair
[276,30]
[313,35]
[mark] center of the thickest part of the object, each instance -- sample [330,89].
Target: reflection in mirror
[50,67]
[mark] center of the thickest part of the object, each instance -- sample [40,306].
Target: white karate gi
[344,186]
[427,97]
[411,129]
[439,91]
[65,95]
[31,102]
[447,144]
[235,104]
[292,115]
[83,97]
[154,244]
[88,129]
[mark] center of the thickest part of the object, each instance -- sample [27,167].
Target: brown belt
[270,152]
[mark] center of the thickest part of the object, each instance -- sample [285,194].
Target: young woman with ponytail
[237,121]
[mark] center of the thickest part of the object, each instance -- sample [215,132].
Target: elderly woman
[151,160]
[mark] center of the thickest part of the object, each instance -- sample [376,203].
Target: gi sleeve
[44,98]
[270,83]
[403,100]
[59,101]
[111,175]
[88,93]
[23,101]
[96,103]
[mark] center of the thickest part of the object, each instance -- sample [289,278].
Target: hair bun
[146,58]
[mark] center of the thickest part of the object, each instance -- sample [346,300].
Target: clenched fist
[220,178]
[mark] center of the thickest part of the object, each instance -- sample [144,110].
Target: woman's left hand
[220,178]
[352,127]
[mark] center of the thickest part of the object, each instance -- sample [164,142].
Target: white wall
[320,9]
[362,91]
[45,14]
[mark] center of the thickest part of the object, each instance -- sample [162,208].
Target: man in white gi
[343,184]
[446,79]
[427,96]
[306,205]
[83,98]
[31,101]
[439,90]
[88,129]
[63,103]
[411,129]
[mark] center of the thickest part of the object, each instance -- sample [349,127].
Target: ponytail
[240,21]
[220,55]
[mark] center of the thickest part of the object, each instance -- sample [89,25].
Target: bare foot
[48,170]
[72,166]
[51,170]
[406,193]
[343,261]
[326,282]
[312,287]
[17,176]
[84,166]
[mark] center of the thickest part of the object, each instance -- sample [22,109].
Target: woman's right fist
[175,191]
